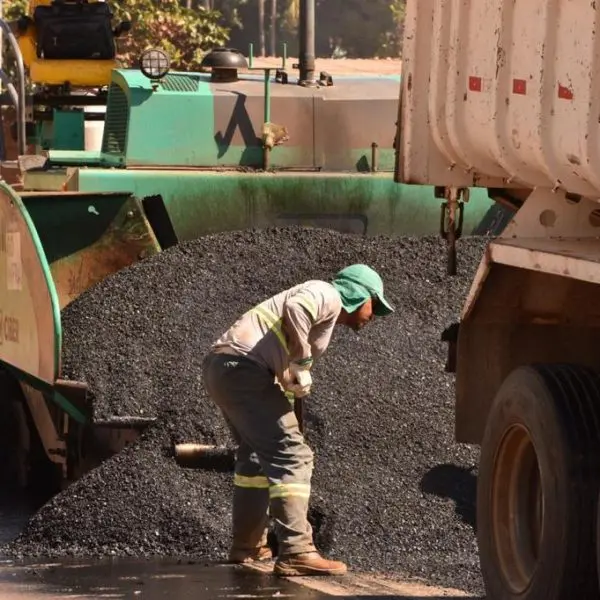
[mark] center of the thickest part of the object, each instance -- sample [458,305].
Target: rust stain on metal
[128,240]
[500,58]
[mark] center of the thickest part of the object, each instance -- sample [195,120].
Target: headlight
[154,64]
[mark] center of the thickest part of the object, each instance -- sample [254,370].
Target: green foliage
[13,9]
[185,34]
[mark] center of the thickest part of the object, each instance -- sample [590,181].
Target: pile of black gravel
[392,490]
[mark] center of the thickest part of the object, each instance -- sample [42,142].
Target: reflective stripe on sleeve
[273,323]
[256,482]
[286,490]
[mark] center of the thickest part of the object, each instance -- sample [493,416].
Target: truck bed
[501,93]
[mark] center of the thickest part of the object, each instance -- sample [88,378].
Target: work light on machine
[154,63]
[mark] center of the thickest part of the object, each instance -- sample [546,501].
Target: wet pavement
[142,580]
[180,580]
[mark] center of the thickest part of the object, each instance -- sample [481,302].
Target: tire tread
[573,395]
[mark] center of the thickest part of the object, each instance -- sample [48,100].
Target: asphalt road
[179,580]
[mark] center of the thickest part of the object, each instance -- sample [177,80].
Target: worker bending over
[269,350]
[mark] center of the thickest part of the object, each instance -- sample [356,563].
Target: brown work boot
[245,556]
[308,563]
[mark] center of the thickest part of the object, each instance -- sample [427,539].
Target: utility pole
[306,58]
[273,37]
[261,26]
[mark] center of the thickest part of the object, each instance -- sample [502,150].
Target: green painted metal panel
[49,392]
[84,217]
[171,124]
[68,130]
[81,158]
[187,120]
[206,202]
[68,407]
[88,236]
[172,128]
[65,131]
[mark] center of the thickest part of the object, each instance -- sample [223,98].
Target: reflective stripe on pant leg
[250,501]
[259,482]
[250,511]
[264,418]
[290,494]
[285,490]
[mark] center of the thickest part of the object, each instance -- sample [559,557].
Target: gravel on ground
[392,489]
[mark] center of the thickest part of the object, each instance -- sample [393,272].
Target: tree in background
[186,29]
[361,29]
[184,33]
[354,28]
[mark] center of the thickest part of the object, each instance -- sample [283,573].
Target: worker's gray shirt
[293,326]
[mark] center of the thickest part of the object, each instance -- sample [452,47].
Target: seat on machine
[74,30]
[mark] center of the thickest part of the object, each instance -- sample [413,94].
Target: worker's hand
[296,379]
[286,380]
[298,390]
[301,375]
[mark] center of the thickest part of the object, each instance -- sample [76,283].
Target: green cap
[356,284]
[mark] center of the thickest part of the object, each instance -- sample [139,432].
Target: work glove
[298,390]
[290,387]
[301,380]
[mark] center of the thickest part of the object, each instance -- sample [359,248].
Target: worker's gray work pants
[274,464]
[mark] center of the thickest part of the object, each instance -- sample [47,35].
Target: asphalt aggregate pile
[392,491]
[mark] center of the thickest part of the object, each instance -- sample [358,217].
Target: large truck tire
[538,486]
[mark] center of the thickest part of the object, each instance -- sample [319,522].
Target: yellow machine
[66,51]
[68,42]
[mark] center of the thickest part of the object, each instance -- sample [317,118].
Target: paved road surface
[174,580]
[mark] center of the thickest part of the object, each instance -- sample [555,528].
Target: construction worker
[269,351]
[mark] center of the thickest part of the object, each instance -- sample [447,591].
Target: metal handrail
[20,105]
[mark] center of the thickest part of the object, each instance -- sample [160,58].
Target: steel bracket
[451,222]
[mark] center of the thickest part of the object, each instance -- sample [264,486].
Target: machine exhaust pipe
[306,58]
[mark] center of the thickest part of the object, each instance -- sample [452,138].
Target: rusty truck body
[503,94]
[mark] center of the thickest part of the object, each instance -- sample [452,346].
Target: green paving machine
[226,150]
[181,155]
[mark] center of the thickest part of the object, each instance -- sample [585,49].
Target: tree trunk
[261,26]
[273,26]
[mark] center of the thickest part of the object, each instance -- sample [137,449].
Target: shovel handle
[299,411]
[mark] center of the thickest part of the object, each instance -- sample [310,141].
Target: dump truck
[501,94]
